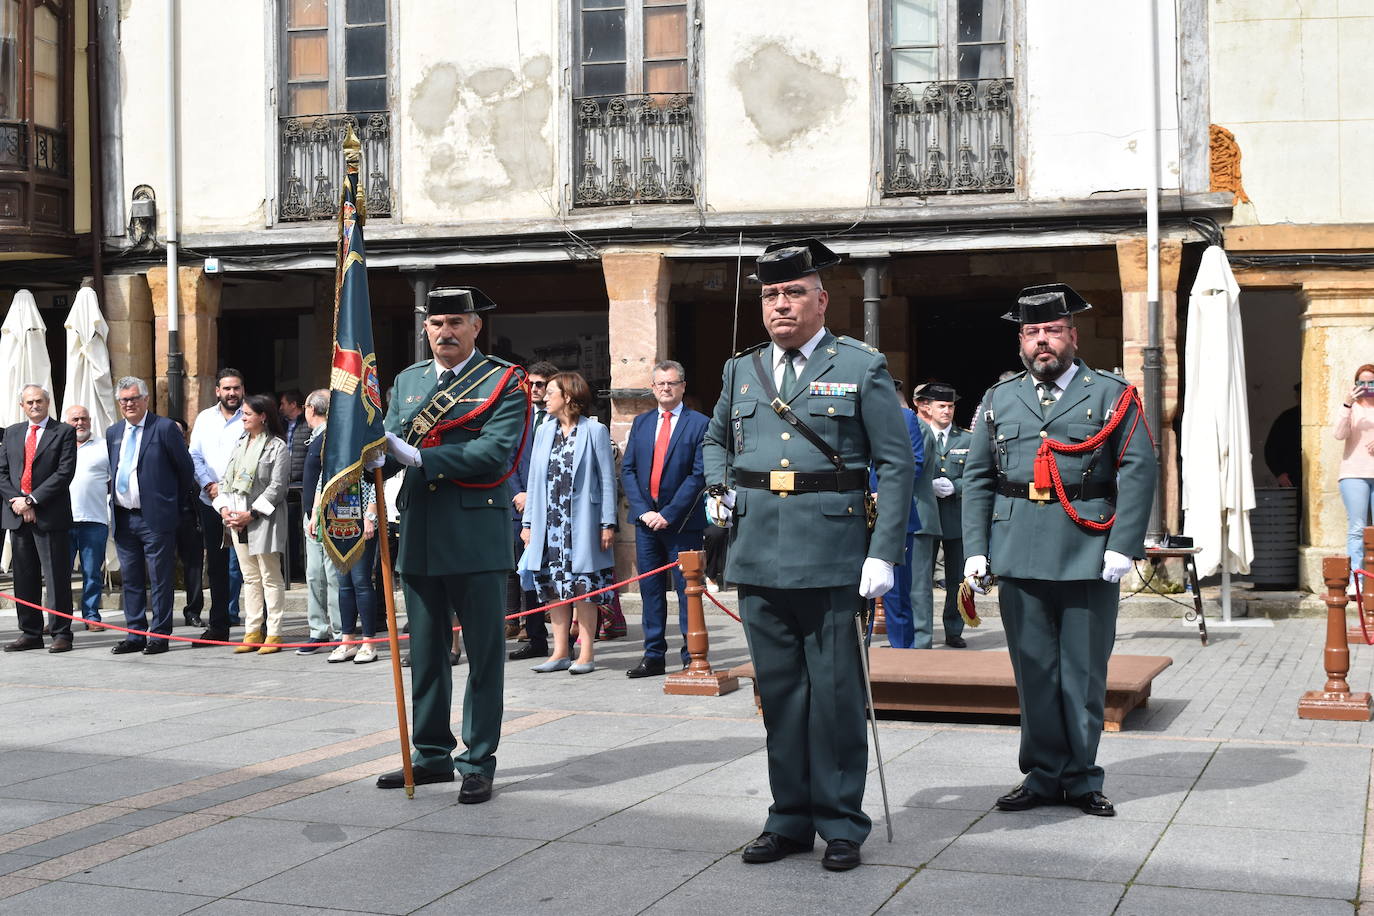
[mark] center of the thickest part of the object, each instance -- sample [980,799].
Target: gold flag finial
[353,158]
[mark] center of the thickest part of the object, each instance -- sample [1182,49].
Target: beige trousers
[262,582]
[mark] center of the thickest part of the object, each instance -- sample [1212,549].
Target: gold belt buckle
[782,481]
[1039,494]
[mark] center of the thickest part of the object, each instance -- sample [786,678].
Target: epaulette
[856,344]
[1112,377]
[747,350]
[1015,378]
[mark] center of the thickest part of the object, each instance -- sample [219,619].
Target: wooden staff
[393,637]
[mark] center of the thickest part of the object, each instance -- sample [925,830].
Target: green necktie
[1048,395]
[789,373]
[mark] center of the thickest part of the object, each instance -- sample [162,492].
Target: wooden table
[1188,555]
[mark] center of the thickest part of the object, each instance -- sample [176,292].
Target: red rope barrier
[721,606]
[1359,605]
[322,645]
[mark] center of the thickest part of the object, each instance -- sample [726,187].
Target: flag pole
[393,637]
[353,155]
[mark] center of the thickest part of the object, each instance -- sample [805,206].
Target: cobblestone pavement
[202,781]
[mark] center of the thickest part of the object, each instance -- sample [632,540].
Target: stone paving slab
[1145,900]
[978,894]
[1033,844]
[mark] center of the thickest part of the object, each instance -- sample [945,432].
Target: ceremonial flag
[355,432]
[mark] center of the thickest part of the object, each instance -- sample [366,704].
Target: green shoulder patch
[855,343]
[747,350]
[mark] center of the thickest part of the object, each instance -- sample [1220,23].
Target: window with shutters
[334,75]
[948,97]
[634,113]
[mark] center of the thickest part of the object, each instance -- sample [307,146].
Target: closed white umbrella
[88,363]
[23,355]
[1218,486]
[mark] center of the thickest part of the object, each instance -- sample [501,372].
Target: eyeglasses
[793,293]
[1054,331]
[534,384]
[133,400]
[668,384]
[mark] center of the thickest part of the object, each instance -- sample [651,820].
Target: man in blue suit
[897,602]
[663,480]
[150,468]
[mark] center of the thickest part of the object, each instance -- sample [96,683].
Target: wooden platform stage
[981,683]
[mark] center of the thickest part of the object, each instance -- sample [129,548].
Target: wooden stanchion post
[1335,702]
[697,679]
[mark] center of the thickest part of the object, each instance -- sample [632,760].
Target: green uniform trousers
[431,602]
[1060,636]
[806,664]
[923,548]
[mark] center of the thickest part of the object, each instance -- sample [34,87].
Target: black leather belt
[1073,492]
[803,481]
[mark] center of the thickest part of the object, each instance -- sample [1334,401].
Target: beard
[1045,371]
[230,402]
[83,435]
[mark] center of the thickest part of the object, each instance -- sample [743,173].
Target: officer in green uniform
[1058,578]
[454,422]
[950,452]
[801,551]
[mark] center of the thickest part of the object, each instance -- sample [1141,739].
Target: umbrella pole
[389,595]
[1225,570]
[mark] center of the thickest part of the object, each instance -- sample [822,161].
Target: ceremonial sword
[873,718]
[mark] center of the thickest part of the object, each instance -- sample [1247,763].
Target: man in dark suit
[291,405]
[152,471]
[37,464]
[951,452]
[663,480]
[535,629]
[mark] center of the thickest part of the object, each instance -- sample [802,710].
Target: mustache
[449,341]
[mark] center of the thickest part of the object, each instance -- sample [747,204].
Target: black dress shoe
[841,855]
[454,658]
[25,642]
[61,644]
[649,667]
[211,634]
[1094,803]
[956,642]
[405,660]
[127,646]
[476,789]
[1023,799]
[423,777]
[156,647]
[528,650]
[192,620]
[770,847]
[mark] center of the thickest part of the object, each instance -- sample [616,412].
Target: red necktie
[30,446]
[665,431]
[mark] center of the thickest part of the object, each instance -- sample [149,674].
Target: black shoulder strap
[784,410]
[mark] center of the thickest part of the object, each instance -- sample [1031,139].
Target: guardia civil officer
[454,422]
[1059,555]
[801,552]
[949,454]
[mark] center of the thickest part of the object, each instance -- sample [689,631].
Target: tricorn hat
[783,261]
[937,391]
[1039,304]
[455,300]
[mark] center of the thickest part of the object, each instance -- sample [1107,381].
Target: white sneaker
[343,652]
[368,653]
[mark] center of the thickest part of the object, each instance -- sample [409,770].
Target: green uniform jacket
[950,463]
[1031,540]
[811,540]
[922,491]
[447,529]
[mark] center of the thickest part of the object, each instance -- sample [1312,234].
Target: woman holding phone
[1355,426]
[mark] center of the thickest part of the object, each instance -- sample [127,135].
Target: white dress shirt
[673,416]
[130,500]
[799,363]
[212,441]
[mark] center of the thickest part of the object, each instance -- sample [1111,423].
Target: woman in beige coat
[252,502]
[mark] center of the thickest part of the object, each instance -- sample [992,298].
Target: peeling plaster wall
[786,120]
[1087,97]
[478,124]
[223,111]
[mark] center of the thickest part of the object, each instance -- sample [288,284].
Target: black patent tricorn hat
[1039,304]
[783,261]
[936,391]
[455,300]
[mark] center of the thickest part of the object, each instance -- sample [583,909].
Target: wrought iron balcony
[24,145]
[949,138]
[311,170]
[634,149]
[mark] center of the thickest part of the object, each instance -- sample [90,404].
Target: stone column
[128,308]
[199,306]
[637,284]
[1135,337]
[1337,338]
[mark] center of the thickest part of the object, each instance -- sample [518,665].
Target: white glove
[875,579]
[374,462]
[975,570]
[403,451]
[943,487]
[1115,565]
[720,510]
